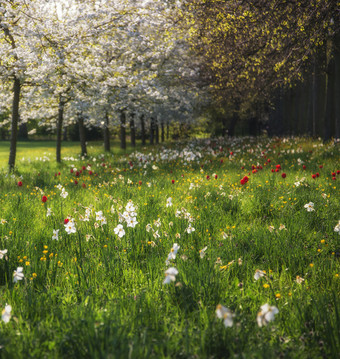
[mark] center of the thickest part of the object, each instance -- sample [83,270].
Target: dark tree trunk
[163,132]
[132,131]
[122,130]
[82,135]
[167,130]
[152,129]
[157,132]
[65,134]
[14,124]
[106,133]
[142,125]
[337,86]
[329,116]
[60,128]
[314,100]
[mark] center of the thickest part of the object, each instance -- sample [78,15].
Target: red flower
[283,175]
[172,181]
[84,185]
[215,176]
[58,173]
[140,183]
[66,220]
[19,183]
[320,166]
[71,170]
[90,173]
[208,177]
[313,176]
[77,174]
[317,174]
[338,172]
[333,178]
[277,170]
[273,170]
[43,199]
[304,167]
[333,174]
[84,168]
[278,167]
[75,182]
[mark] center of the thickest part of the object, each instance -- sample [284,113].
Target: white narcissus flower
[170,275]
[202,252]
[18,274]
[225,314]
[70,227]
[119,230]
[169,202]
[173,253]
[6,313]
[259,273]
[309,207]
[190,229]
[55,234]
[2,253]
[266,314]
[131,222]
[63,193]
[49,212]
[337,228]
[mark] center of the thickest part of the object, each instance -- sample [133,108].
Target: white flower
[157,223]
[49,212]
[173,253]
[337,228]
[6,313]
[271,229]
[266,314]
[55,234]
[202,252]
[299,279]
[156,234]
[190,229]
[18,274]
[169,202]
[119,230]
[148,227]
[132,222]
[225,314]
[282,226]
[259,273]
[170,275]
[70,227]
[63,193]
[2,253]
[297,184]
[309,207]
[3,221]
[100,217]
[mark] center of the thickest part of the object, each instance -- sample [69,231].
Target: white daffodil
[6,313]
[202,252]
[259,273]
[2,253]
[169,202]
[48,212]
[170,275]
[266,314]
[337,228]
[225,314]
[63,193]
[18,274]
[148,227]
[70,227]
[55,234]
[173,253]
[157,223]
[119,230]
[190,229]
[132,222]
[309,207]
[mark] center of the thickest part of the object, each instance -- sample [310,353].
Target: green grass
[91,294]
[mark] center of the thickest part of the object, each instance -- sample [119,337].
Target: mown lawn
[138,255]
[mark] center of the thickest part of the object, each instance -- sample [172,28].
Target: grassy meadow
[171,251]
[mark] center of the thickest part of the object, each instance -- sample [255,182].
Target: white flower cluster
[129,216]
[63,193]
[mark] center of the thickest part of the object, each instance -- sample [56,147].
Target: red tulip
[43,199]
[283,175]
[19,183]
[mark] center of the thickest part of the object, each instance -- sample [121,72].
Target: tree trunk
[14,124]
[157,132]
[60,128]
[329,116]
[122,130]
[337,86]
[163,132]
[132,131]
[142,125]
[106,133]
[82,135]
[152,130]
[167,130]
